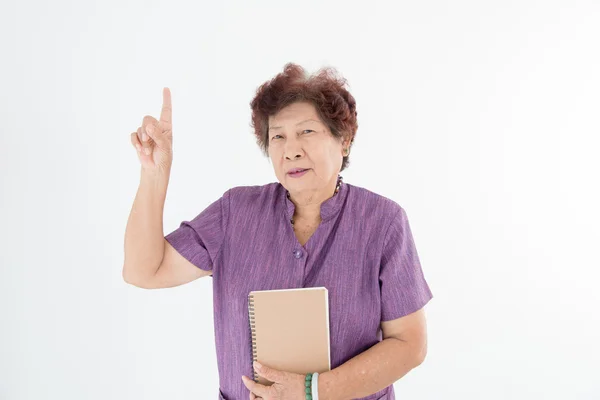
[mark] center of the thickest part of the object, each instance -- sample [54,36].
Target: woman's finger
[135,142]
[166,112]
[145,141]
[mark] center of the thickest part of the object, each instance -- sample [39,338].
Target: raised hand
[154,138]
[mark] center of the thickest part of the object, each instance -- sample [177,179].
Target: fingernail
[138,147]
[147,150]
[149,128]
[257,365]
[144,137]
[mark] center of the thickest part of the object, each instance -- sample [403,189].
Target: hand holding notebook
[289,330]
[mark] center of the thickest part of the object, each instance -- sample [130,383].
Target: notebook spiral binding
[252,334]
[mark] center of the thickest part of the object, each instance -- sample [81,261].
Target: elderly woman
[308,229]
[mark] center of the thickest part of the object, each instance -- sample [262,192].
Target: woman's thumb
[158,135]
[150,130]
[153,132]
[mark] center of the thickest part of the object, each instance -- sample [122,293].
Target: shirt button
[297,253]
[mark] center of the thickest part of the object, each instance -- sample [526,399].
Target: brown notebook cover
[290,330]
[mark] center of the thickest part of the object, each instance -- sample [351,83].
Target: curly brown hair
[325,90]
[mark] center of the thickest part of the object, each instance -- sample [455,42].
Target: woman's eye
[278,136]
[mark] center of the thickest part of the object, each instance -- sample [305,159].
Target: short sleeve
[401,280]
[200,240]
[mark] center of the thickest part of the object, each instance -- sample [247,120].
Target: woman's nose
[293,151]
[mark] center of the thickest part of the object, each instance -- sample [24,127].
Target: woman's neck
[308,204]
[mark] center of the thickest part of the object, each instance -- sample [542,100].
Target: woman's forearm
[370,371]
[144,236]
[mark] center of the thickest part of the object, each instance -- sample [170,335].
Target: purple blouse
[362,252]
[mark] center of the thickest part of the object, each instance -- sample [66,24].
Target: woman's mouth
[298,173]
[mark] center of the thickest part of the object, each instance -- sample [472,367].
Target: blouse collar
[329,207]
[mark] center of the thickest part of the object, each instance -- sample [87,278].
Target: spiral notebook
[289,330]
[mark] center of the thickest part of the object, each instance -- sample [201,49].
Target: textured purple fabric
[362,252]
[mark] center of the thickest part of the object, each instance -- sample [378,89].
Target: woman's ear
[345,148]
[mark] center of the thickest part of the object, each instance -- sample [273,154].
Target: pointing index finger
[165,113]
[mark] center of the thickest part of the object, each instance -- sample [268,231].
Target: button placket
[301,260]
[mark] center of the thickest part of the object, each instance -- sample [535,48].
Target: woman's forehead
[293,114]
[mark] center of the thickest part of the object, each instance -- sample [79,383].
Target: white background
[480,118]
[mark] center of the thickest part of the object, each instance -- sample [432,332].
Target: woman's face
[299,139]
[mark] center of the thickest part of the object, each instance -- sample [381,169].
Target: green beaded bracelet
[307,383]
